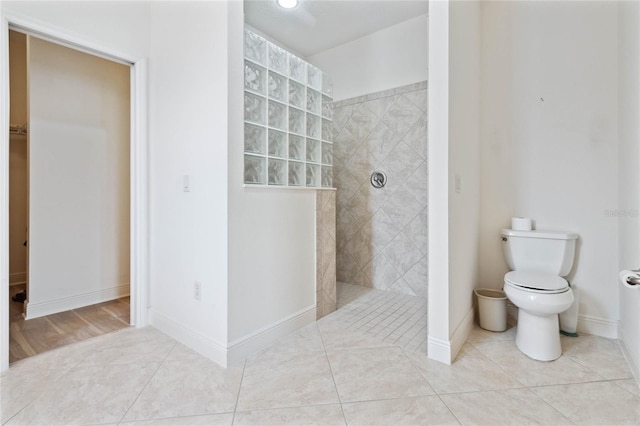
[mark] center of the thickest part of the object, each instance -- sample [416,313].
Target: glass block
[277,58]
[327,130]
[255,77]
[277,87]
[277,143]
[327,85]
[277,115]
[327,107]
[327,153]
[296,147]
[314,126]
[277,172]
[255,47]
[296,174]
[297,69]
[313,151]
[255,108]
[296,94]
[314,101]
[255,169]
[296,121]
[314,77]
[313,175]
[254,138]
[327,177]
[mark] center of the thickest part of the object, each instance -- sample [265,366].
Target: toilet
[538,260]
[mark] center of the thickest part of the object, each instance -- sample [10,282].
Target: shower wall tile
[325,252]
[381,237]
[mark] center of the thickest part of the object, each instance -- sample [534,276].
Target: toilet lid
[536,281]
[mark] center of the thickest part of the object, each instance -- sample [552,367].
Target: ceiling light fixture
[287,4]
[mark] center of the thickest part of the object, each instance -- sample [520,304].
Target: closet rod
[16,129]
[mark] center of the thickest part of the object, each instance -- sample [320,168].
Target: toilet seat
[536,282]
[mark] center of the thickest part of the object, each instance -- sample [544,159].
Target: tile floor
[339,370]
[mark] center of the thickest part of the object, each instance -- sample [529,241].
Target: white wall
[549,138]
[454,88]
[79,179]
[464,165]
[272,264]
[188,98]
[628,174]
[18,192]
[392,57]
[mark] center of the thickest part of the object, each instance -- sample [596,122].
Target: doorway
[138,185]
[72,111]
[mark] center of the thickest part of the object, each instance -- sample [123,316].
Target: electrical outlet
[197,290]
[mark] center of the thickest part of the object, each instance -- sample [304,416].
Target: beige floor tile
[336,337]
[306,339]
[471,371]
[287,380]
[530,372]
[503,407]
[479,335]
[207,420]
[88,395]
[630,385]
[602,356]
[60,358]
[379,373]
[299,416]
[407,411]
[131,346]
[19,387]
[182,388]
[595,403]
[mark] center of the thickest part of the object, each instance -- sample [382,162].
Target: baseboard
[35,310]
[209,348]
[602,327]
[439,350]
[244,346]
[445,351]
[18,278]
[634,363]
[461,334]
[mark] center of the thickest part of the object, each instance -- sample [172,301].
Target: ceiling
[317,25]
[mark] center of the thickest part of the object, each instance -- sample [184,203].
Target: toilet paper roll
[625,275]
[521,223]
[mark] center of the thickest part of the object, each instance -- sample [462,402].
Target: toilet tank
[539,251]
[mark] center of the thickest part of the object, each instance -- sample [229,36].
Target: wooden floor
[31,337]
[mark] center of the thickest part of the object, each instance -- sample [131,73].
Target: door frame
[138,181]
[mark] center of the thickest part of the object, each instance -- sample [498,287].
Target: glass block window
[288,115]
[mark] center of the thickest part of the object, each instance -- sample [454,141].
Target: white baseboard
[632,359]
[238,349]
[602,327]
[209,348]
[445,351]
[35,310]
[244,346]
[18,278]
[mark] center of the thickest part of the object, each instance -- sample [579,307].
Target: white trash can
[492,308]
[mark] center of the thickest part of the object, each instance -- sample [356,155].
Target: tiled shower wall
[381,234]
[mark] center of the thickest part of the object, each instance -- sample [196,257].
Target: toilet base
[538,337]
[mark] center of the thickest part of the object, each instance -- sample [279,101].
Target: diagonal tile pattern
[382,233]
[356,366]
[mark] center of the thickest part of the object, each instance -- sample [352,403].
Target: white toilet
[538,261]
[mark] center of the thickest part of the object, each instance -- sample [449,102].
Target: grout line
[235,407]
[326,355]
[147,384]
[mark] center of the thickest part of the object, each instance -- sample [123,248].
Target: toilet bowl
[538,261]
[540,297]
